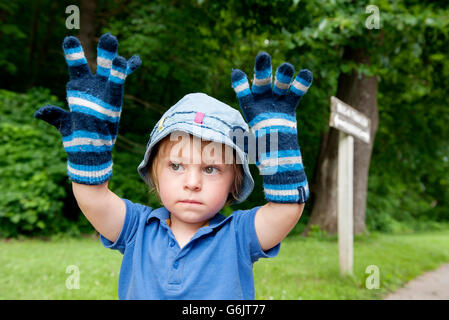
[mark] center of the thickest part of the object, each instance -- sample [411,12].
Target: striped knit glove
[90,129]
[270,113]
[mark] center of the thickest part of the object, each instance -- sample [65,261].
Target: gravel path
[432,285]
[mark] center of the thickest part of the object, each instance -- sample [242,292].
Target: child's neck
[182,231]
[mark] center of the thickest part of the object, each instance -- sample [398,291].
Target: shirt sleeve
[135,215]
[248,242]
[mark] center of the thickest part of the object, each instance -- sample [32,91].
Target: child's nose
[193,179]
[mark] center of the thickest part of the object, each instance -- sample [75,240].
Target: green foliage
[29,31]
[409,170]
[11,32]
[32,167]
[398,206]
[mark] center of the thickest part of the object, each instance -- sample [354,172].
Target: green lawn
[306,268]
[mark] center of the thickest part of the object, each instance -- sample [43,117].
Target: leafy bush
[32,167]
[396,205]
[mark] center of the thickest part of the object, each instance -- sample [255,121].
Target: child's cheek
[168,181]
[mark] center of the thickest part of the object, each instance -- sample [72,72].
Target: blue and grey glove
[271,111]
[90,129]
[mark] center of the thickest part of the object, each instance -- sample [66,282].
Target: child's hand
[271,110]
[90,129]
[282,97]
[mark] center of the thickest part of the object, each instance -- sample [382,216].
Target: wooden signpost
[350,123]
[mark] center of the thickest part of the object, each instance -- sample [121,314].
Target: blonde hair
[165,144]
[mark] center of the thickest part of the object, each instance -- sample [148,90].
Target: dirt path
[432,285]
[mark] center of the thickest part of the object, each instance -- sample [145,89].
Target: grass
[306,268]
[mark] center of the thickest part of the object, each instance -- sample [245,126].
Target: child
[186,249]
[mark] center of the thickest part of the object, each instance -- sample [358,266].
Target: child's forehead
[186,150]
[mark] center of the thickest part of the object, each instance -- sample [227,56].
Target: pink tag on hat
[199,117]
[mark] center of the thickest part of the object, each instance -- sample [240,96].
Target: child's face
[186,172]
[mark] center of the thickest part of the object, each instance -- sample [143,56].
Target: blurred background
[388,59]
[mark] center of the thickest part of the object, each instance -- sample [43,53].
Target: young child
[197,161]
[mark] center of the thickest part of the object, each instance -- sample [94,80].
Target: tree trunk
[87,32]
[361,93]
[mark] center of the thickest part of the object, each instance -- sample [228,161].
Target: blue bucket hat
[209,119]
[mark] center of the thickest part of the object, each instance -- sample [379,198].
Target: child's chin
[190,215]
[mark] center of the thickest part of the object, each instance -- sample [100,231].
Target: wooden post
[350,124]
[345,202]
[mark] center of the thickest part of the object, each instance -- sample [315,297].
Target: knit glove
[90,129]
[271,113]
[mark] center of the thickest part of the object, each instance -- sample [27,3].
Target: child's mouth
[190,202]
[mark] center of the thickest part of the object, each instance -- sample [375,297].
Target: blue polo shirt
[217,263]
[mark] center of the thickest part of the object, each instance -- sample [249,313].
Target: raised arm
[271,112]
[89,130]
[102,207]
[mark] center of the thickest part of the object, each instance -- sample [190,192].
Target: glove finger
[106,52]
[74,56]
[300,86]
[262,74]
[116,81]
[133,63]
[55,116]
[240,84]
[284,76]
[118,70]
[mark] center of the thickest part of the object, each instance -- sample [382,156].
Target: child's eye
[175,166]
[210,170]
